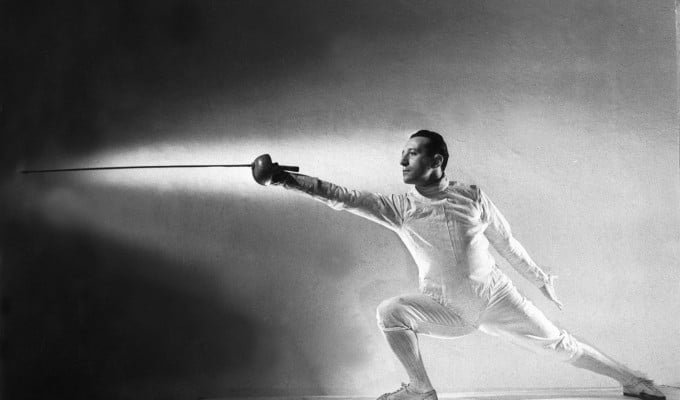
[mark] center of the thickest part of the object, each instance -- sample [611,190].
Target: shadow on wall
[80,321]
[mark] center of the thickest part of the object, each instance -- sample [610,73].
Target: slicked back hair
[436,145]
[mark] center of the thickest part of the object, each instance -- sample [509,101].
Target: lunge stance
[447,227]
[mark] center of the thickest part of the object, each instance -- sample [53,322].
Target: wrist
[282,178]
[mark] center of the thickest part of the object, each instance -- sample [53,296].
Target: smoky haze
[180,284]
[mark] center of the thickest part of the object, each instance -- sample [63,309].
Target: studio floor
[672,393]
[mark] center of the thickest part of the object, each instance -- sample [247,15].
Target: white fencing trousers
[510,316]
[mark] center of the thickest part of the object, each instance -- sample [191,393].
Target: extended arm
[385,210]
[500,235]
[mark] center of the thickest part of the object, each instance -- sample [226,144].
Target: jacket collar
[433,189]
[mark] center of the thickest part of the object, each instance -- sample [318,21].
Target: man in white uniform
[447,228]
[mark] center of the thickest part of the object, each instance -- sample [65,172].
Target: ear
[437,161]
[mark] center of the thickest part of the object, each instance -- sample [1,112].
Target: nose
[404,161]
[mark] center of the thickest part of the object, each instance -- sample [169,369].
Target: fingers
[553,298]
[549,292]
[558,304]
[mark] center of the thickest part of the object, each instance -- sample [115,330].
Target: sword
[262,162]
[40,171]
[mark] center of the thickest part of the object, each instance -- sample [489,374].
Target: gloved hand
[548,291]
[265,172]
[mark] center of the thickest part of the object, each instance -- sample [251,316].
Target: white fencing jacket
[447,228]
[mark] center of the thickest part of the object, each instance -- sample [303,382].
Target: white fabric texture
[447,228]
[509,315]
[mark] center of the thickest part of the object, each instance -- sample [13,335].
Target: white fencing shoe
[643,388]
[404,393]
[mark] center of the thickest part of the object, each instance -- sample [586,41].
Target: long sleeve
[499,234]
[384,210]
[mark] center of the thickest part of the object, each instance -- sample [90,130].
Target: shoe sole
[645,396]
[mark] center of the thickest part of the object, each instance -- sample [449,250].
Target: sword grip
[289,168]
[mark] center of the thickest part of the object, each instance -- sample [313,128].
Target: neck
[434,179]
[434,186]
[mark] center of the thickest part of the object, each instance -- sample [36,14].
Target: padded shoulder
[472,192]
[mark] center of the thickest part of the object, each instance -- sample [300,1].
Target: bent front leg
[403,318]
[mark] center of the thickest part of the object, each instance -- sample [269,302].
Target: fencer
[447,227]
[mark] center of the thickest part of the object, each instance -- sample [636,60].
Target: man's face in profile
[416,163]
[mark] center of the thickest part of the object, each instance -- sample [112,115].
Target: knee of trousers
[566,347]
[392,315]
